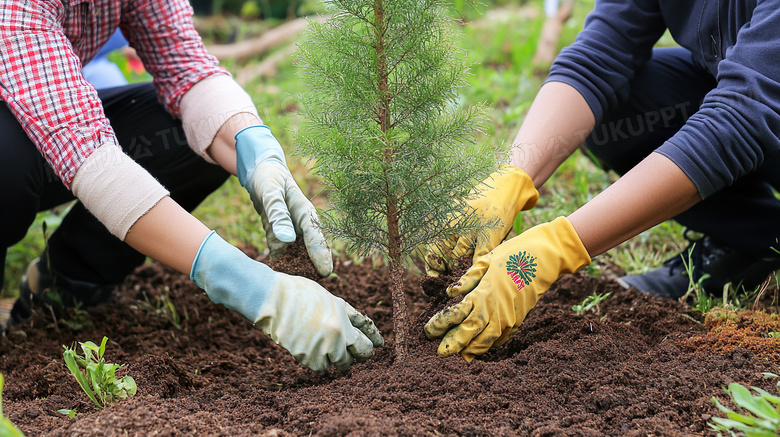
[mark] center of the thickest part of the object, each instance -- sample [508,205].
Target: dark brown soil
[633,370]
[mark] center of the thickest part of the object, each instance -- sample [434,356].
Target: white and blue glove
[285,210]
[316,327]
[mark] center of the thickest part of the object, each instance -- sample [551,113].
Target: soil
[643,366]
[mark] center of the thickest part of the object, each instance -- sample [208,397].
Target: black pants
[664,94]
[82,248]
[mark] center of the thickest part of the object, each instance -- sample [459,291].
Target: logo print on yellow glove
[521,268]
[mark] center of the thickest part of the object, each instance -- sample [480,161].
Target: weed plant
[96,377]
[757,415]
[591,304]
[164,307]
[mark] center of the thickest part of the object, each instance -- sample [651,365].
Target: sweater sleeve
[616,41]
[739,121]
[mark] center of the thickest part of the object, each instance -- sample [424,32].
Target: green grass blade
[70,361]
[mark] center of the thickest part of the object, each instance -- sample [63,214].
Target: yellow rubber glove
[503,286]
[502,195]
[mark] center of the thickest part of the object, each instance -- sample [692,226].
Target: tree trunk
[392,214]
[399,311]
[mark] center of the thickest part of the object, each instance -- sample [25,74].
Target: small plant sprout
[389,133]
[164,307]
[71,413]
[96,377]
[758,414]
[591,304]
[7,429]
[703,302]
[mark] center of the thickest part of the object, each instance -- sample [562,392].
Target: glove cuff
[527,195]
[232,278]
[574,256]
[255,144]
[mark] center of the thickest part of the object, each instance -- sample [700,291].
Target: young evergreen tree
[388,133]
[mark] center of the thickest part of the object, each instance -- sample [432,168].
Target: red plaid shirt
[43,44]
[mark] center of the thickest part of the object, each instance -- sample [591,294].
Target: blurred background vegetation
[500,37]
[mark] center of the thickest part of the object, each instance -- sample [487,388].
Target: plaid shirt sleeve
[163,34]
[41,82]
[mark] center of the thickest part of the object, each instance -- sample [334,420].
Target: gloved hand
[285,210]
[317,328]
[502,195]
[503,286]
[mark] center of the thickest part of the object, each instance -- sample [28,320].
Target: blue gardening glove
[285,210]
[316,327]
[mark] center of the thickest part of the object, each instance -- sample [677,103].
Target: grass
[500,40]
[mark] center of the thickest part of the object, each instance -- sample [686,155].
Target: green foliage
[7,429]
[387,127]
[96,377]
[758,415]
[590,304]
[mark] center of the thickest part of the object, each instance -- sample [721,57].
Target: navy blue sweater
[737,41]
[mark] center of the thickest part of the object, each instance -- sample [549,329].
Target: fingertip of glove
[324,269]
[445,350]
[285,234]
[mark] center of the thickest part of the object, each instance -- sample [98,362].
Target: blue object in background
[101,72]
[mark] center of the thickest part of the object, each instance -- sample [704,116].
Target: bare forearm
[652,192]
[223,148]
[557,123]
[169,234]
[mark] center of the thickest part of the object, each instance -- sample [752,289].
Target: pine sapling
[388,133]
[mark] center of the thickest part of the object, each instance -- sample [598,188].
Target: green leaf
[129,383]
[71,413]
[8,429]
[94,377]
[748,420]
[740,394]
[102,349]
[70,362]
[773,399]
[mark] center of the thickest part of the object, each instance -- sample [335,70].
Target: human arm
[502,287]
[317,328]
[587,79]
[214,109]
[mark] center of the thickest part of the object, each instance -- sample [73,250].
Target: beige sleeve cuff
[208,105]
[115,189]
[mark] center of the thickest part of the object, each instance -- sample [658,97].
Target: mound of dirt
[634,369]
